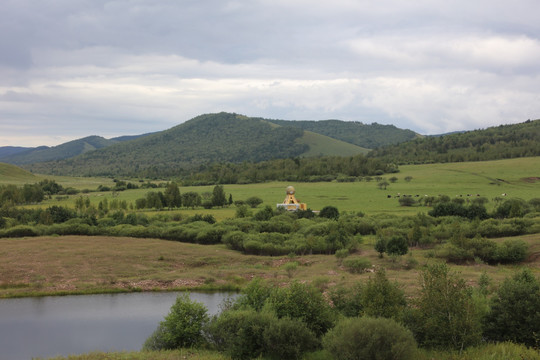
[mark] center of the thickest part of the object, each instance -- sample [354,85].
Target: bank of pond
[447,319]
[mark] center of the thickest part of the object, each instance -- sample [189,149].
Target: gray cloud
[75,68]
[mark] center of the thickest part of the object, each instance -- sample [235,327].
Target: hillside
[12,150]
[11,174]
[500,142]
[21,156]
[205,139]
[357,133]
[63,151]
[321,145]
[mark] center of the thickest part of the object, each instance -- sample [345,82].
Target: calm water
[52,326]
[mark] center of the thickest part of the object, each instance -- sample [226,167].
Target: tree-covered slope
[210,138]
[12,150]
[63,151]
[500,142]
[357,133]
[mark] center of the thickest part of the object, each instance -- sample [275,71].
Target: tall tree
[172,196]
[218,196]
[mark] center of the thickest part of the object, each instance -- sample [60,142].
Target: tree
[383,184]
[515,310]
[445,315]
[191,199]
[218,196]
[305,303]
[254,201]
[380,246]
[408,178]
[172,196]
[182,327]
[381,298]
[393,179]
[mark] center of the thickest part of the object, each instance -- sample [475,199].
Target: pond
[66,325]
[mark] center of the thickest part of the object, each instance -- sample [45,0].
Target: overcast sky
[71,68]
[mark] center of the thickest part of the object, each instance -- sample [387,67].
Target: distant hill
[500,142]
[22,156]
[357,133]
[12,150]
[206,139]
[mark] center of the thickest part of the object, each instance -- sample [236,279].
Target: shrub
[347,299]
[381,298]
[511,252]
[397,245]
[182,327]
[406,201]
[444,315]
[357,265]
[329,212]
[254,201]
[514,312]
[239,333]
[305,303]
[288,339]
[369,338]
[19,231]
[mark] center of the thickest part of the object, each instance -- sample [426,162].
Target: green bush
[397,245]
[19,231]
[239,333]
[305,303]
[329,212]
[182,327]
[288,339]
[515,314]
[369,338]
[356,265]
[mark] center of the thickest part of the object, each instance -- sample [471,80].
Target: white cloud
[126,67]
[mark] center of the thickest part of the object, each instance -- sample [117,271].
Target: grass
[81,265]
[489,179]
[500,351]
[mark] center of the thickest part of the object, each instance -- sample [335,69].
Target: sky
[74,68]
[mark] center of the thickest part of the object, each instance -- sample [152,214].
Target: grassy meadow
[490,179]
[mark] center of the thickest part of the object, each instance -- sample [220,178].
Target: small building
[291,203]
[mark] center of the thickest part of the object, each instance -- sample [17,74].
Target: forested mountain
[357,133]
[12,150]
[500,142]
[63,151]
[21,156]
[205,139]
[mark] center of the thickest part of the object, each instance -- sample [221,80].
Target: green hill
[499,142]
[206,139]
[11,174]
[321,145]
[63,151]
[357,133]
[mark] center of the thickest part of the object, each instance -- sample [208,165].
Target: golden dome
[290,190]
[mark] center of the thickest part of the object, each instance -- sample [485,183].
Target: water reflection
[52,326]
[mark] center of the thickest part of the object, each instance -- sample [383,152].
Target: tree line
[500,142]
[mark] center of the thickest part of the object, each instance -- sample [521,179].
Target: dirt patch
[531,179]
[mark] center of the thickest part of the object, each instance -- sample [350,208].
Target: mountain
[59,152]
[499,142]
[206,139]
[357,133]
[12,150]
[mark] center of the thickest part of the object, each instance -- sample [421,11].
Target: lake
[65,325]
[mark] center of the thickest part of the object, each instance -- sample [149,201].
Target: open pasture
[80,264]
[518,178]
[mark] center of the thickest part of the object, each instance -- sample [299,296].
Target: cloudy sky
[73,68]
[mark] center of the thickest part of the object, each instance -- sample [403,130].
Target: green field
[490,179]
